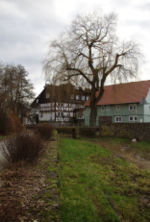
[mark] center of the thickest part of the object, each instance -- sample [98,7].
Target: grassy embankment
[141,148]
[96,185]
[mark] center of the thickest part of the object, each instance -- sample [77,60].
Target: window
[72,96]
[37,100]
[87,97]
[41,114]
[132,107]
[77,97]
[117,107]
[118,119]
[102,108]
[130,118]
[133,118]
[107,108]
[83,97]
[47,96]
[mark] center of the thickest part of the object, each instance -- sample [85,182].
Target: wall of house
[124,112]
[35,110]
[61,111]
[46,116]
[87,116]
[146,112]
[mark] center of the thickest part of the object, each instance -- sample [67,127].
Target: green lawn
[141,148]
[96,185]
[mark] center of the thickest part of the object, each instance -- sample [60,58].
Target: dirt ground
[31,193]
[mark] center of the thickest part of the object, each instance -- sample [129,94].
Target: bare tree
[16,88]
[89,51]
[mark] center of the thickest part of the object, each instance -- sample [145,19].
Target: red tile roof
[123,93]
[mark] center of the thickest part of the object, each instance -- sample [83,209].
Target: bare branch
[90,51]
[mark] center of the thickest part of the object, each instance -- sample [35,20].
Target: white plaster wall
[47,116]
[35,110]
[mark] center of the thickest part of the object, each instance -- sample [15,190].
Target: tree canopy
[16,90]
[88,52]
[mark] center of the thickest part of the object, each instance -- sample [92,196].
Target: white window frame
[130,119]
[133,118]
[77,97]
[119,120]
[134,107]
[83,98]
[47,95]
[107,108]
[117,107]
[102,108]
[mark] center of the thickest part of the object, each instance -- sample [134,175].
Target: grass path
[96,185]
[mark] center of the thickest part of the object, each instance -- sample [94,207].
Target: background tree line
[16,89]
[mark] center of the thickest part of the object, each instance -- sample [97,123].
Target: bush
[13,124]
[23,146]
[45,130]
[2,123]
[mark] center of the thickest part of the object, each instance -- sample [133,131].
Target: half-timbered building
[59,103]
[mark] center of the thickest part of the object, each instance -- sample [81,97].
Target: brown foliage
[10,211]
[23,146]
[13,124]
[2,123]
[17,191]
[45,130]
[23,191]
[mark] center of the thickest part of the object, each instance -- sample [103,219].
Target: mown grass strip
[88,172]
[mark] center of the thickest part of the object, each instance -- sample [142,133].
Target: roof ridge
[127,83]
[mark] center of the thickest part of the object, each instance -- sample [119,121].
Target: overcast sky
[27,26]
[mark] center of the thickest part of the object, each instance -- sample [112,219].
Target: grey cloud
[28,25]
[144,6]
[142,24]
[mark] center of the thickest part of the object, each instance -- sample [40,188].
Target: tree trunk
[93,106]
[93,115]
[95,100]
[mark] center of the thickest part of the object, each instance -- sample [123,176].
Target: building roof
[60,93]
[123,93]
